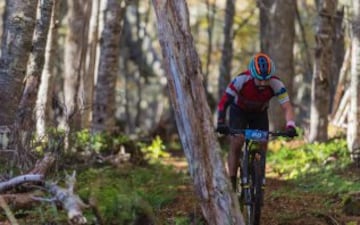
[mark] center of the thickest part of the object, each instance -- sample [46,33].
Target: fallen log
[64,196]
[13,182]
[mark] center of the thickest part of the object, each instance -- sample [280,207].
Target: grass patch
[123,196]
[319,167]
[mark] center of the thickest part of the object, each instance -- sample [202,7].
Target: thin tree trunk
[74,61]
[307,57]
[24,117]
[353,132]
[45,88]
[320,95]
[338,54]
[227,50]
[92,64]
[182,65]
[104,102]
[210,14]
[341,84]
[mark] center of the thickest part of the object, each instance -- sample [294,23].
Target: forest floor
[285,204]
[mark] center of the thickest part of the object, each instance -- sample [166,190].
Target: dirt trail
[281,206]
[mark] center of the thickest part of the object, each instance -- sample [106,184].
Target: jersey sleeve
[230,93]
[236,84]
[279,90]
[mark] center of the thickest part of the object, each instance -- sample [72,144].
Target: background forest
[88,88]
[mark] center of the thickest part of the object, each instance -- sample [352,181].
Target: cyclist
[248,96]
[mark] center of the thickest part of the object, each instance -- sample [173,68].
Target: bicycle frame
[252,171]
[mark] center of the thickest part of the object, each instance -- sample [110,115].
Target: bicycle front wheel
[257,176]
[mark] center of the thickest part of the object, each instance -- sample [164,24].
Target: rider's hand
[222,128]
[290,129]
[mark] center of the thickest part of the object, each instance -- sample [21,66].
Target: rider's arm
[222,106]
[228,97]
[289,113]
[284,100]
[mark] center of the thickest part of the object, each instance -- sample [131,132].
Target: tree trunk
[278,32]
[76,38]
[227,49]
[45,88]
[193,117]
[25,121]
[338,54]
[320,95]
[104,102]
[91,65]
[16,47]
[353,133]
[342,81]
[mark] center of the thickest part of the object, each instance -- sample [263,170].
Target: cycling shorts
[240,119]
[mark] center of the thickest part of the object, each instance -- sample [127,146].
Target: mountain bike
[252,173]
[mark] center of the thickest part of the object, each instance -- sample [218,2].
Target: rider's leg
[236,143]
[237,120]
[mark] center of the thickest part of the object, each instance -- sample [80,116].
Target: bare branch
[20,180]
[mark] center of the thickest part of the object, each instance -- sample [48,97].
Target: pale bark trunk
[74,60]
[104,102]
[45,88]
[91,65]
[320,95]
[195,127]
[16,47]
[341,84]
[25,121]
[353,133]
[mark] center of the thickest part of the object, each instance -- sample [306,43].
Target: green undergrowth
[127,195]
[318,167]
[130,195]
[321,167]
[320,173]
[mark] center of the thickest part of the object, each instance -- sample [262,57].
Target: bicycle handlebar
[257,135]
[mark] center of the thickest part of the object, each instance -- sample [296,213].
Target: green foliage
[308,158]
[84,141]
[154,151]
[123,195]
[315,167]
[44,213]
[53,142]
[183,220]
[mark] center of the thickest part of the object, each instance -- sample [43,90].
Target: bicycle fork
[257,157]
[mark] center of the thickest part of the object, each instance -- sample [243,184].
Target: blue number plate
[256,135]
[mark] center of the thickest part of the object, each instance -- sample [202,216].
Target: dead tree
[192,113]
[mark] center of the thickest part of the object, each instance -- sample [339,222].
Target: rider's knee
[237,141]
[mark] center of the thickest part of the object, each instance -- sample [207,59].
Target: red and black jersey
[245,94]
